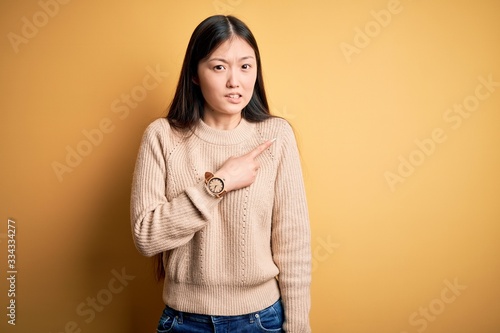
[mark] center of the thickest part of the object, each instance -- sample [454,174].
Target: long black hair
[186,108]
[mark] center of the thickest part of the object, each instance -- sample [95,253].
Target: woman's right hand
[239,172]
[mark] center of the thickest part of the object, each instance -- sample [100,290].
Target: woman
[218,194]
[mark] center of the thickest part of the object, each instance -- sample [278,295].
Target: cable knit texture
[233,255]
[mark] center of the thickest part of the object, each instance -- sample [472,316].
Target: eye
[219,68]
[246,66]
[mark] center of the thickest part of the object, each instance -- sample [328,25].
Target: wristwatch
[214,185]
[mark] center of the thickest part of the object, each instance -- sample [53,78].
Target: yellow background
[384,255]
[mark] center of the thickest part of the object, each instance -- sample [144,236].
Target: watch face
[215,185]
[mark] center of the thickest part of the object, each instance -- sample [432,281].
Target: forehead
[235,46]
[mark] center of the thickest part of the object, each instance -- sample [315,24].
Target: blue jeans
[268,320]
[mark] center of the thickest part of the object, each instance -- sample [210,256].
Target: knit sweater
[232,255]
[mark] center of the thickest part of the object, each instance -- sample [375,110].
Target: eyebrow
[225,61]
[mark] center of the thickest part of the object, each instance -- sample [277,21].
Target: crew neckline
[236,135]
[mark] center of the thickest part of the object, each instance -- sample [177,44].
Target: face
[227,79]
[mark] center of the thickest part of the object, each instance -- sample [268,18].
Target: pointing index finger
[260,148]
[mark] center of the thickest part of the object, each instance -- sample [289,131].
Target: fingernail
[273,140]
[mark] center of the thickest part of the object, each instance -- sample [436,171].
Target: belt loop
[180,316]
[251,316]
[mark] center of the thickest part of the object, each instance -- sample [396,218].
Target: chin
[232,112]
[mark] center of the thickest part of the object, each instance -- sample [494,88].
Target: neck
[221,122]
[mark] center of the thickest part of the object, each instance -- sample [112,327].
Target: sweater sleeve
[291,236]
[159,225]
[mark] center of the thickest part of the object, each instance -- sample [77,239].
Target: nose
[232,79]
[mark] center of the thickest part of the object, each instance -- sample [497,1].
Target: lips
[234,98]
